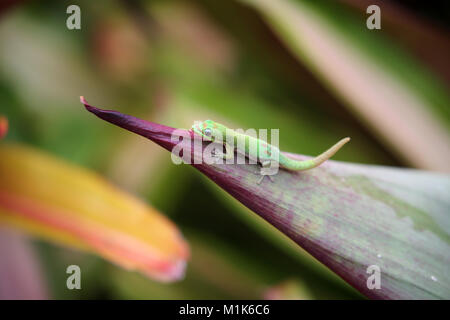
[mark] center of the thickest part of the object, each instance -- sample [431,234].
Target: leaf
[386,89]
[348,216]
[77,208]
[290,289]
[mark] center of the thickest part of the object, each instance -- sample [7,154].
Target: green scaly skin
[264,153]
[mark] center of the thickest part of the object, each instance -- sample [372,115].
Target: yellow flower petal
[72,206]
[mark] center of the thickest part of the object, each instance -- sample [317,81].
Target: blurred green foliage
[175,63]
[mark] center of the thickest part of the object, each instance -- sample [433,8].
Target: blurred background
[311,68]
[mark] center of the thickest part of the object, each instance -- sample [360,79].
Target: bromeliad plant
[356,219]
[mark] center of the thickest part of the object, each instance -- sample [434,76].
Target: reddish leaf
[348,216]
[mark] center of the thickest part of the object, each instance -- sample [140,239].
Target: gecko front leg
[266,170]
[229,153]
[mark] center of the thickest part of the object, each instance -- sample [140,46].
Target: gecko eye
[207,132]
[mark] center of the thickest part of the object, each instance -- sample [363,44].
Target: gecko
[264,153]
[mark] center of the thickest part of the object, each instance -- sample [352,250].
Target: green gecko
[265,153]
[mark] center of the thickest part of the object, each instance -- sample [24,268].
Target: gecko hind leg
[263,172]
[262,178]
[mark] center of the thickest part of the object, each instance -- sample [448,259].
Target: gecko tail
[329,153]
[317,161]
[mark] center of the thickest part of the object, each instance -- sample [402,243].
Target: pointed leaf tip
[158,133]
[90,108]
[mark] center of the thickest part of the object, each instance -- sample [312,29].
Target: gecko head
[207,129]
